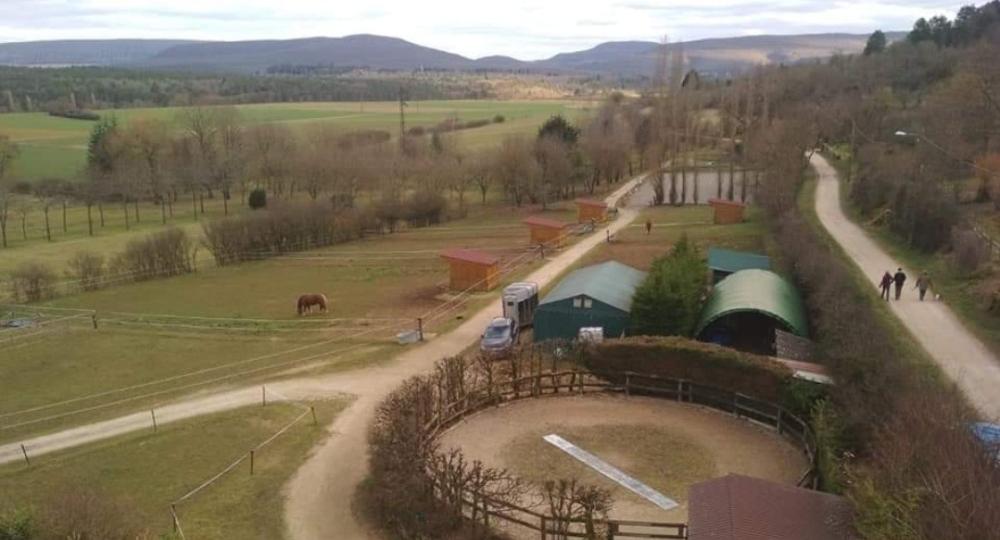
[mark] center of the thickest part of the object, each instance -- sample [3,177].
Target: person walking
[885,285]
[649,226]
[899,279]
[923,283]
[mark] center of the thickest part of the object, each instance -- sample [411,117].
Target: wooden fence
[488,512]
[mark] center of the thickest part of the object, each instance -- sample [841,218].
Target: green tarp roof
[728,260]
[758,291]
[611,282]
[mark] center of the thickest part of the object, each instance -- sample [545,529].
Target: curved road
[319,496]
[962,356]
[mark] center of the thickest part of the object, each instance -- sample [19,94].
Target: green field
[142,473]
[395,278]
[56,147]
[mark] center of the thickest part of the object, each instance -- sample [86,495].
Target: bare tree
[8,153]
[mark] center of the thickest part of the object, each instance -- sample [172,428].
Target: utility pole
[402,114]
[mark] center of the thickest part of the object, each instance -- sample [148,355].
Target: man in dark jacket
[899,278]
[885,285]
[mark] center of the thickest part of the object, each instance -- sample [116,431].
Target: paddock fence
[482,510]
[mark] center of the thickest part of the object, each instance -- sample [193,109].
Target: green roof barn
[723,262]
[746,308]
[598,295]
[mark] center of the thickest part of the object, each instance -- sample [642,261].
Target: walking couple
[899,278]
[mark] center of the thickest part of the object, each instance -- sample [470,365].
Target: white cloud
[526,29]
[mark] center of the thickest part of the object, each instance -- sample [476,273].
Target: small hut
[727,212]
[472,269]
[588,210]
[550,232]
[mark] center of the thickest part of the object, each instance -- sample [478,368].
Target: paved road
[318,504]
[961,355]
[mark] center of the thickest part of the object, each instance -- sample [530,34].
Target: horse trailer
[520,300]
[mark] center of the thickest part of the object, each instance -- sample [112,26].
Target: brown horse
[307,301]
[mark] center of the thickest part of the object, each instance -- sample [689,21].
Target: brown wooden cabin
[550,232]
[472,269]
[588,210]
[727,212]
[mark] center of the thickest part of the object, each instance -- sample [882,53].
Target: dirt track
[732,445]
[959,353]
[319,497]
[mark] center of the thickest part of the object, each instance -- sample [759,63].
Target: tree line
[25,89]
[895,436]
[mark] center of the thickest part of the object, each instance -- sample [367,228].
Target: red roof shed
[543,230]
[727,212]
[472,269]
[591,210]
[737,507]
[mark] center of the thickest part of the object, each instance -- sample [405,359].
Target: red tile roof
[592,202]
[725,202]
[545,222]
[470,255]
[737,507]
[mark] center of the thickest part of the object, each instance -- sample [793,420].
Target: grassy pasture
[56,147]
[634,247]
[398,277]
[150,470]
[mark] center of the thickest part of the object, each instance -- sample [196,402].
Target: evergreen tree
[669,301]
[876,43]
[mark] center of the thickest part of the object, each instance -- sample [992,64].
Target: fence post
[612,530]
[680,390]
[544,527]
[778,426]
[93,319]
[736,409]
[420,328]
[251,462]
[263,396]
[312,409]
[152,413]
[25,452]
[628,381]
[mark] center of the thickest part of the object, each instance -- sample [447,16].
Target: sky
[524,29]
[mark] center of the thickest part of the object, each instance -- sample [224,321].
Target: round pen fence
[483,510]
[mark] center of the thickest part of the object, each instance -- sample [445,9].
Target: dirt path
[730,444]
[959,354]
[318,504]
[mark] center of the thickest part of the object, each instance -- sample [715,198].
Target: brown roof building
[737,507]
[727,212]
[472,269]
[588,210]
[550,232]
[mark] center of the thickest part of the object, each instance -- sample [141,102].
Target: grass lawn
[55,147]
[634,247]
[398,276]
[147,471]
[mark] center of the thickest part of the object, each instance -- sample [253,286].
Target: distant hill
[614,59]
[98,52]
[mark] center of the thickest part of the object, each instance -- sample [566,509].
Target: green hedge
[702,363]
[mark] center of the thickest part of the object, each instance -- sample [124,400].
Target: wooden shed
[588,210]
[727,212]
[550,232]
[472,269]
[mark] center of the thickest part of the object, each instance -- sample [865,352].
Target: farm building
[745,310]
[588,210]
[727,212]
[723,262]
[737,507]
[550,232]
[595,296]
[472,269]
